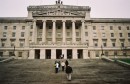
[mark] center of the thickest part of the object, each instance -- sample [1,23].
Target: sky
[99,8]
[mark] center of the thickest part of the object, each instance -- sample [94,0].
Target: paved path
[42,72]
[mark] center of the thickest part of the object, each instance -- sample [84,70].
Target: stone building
[50,31]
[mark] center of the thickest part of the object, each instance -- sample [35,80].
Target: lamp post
[102,51]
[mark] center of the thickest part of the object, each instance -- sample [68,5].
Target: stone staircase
[43,72]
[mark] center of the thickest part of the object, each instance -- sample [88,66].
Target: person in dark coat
[68,71]
[66,62]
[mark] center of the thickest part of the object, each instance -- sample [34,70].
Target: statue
[58,1]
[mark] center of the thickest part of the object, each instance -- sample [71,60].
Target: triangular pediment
[58,12]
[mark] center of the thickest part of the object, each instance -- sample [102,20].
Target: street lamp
[102,51]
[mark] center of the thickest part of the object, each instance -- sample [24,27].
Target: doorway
[69,53]
[37,54]
[48,54]
[58,53]
[80,53]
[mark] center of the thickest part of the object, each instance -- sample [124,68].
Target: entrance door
[58,53]
[37,54]
[48,54]
[80,54]
[69,53]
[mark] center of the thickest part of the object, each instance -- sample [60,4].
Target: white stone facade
[50,31]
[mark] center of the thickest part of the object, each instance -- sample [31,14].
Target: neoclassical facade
[50,31]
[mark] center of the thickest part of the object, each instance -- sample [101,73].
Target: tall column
[34,30]
[73,32]
[75,56]
[54,32]
[85,54]
[64,52]
[32,54]
[42,54]
[82,32]
[44,32]
[64,33]
[53,53]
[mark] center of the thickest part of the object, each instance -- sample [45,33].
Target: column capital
[34,20]
[63,20]
[73,20]
[43,20]
[53,20]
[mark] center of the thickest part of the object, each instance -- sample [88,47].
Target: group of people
[65,67]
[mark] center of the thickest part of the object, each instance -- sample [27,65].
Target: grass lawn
[125,60]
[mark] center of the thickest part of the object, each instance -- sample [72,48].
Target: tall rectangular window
[113,44]
[112,34]
[22,34]
[128,34]
[85,27]
[14,27]
[111,27]
[4,34]
[94,34]
[128,28]
[121,35]
[30,33]
[13,34]
[5,27]
[31,27]
[119,27]
[23,27]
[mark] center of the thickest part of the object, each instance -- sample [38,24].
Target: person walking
[56,67]
[66,63]
[63,65]
[68,72]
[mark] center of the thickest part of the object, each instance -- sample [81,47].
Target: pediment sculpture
[58,13]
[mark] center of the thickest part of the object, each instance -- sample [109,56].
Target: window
[5,27]
[86,33]
[103,35]
[20,54]
[4,34]
[77,34]
[94,34]
[122,44]
[121,35]
[22,34]
[31,27]
[85,27]
[77,27]
[113,44]
[94,27]
[59,27]
[128,34]
[23,27]
[3,44]
[50,27]
[13,34]
[1,54]
[68,27]
[112,34]
[128,28]
[30,33]
[102,27]
[119,27]
[95,43]
[111,27]
[14,27]
[104,44]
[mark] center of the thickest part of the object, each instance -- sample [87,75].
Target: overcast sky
[99,8]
